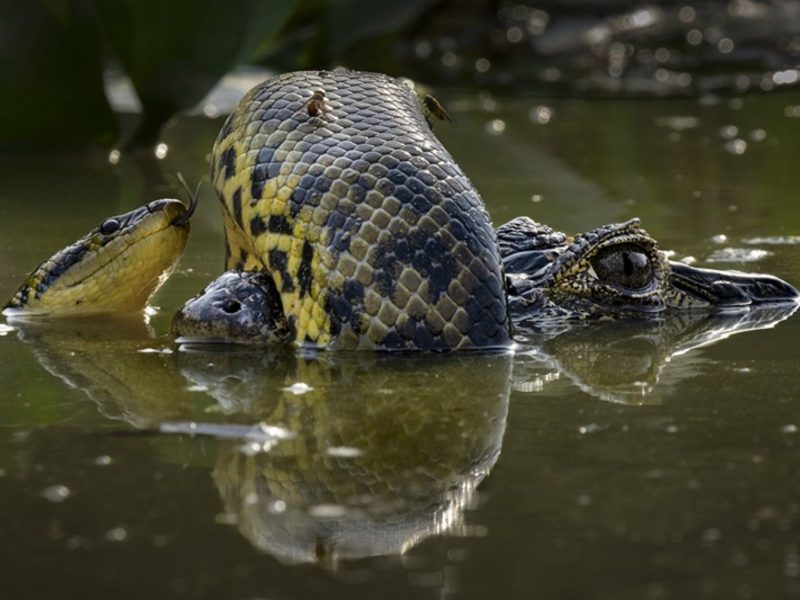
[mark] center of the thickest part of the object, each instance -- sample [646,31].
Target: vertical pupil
[627,263]
[627,266]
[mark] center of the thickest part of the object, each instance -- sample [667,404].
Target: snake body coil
[333,183]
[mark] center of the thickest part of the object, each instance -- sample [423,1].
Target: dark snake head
[616,269]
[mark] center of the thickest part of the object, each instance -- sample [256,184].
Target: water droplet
[791,428]
[537,21]
[114,156]
[103,461]
[736,147]
[787,77]
[729,131]
[450,60]
[686,14]
[540,114]
[694,37]
[711,535]
[743,255]
[514,35]
[155,351]
[298,389]
[422,49]
[327,511]
[551,74]
[536,198]
[343,452]
[482,65]
[56,493]
[161,150]
[226,518]
[495,127]
[775,240]
[117,534]
[720,238]
[725,45]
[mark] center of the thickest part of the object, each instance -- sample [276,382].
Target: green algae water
[619,460]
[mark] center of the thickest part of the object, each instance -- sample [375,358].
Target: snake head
[114,268]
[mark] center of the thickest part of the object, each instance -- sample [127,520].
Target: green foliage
[355,33]
[53,54]
[51,76]
[175,51]
[351,21]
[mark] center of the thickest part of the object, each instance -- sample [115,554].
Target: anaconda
[349,225]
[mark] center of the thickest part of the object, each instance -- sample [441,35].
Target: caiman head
[613,270]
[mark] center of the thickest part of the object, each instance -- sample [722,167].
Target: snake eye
[109,226]
[625,265]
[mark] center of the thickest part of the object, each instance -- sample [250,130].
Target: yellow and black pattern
[333,182]
[114,268]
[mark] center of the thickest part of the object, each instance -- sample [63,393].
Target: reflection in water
[354,455]
[341,456]
[623,361]
[115,361]
[379,459]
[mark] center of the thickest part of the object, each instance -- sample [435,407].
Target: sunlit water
[626,460]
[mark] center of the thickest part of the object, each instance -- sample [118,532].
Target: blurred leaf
[176,50]
[353,20]
[51,75]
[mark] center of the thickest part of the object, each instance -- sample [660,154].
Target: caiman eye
[109,226]
[623,265]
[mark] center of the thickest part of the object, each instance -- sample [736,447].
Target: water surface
[621,460]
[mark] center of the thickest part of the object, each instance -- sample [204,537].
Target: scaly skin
[348,225]
[114,268]
[613,271]
[333,183]
[553,282]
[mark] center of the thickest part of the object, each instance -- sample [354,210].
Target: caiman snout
[730,288]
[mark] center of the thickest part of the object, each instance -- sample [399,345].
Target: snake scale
[334,184]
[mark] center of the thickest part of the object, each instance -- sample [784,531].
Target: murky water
[626,460]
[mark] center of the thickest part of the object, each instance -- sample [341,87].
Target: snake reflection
[379,452]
